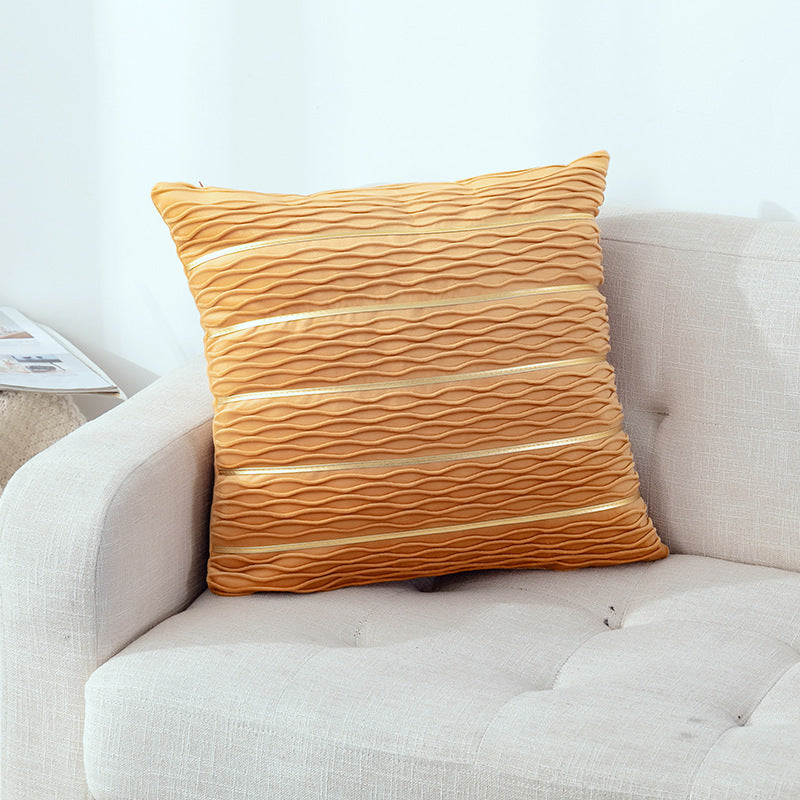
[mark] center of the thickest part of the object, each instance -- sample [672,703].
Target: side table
[30,422]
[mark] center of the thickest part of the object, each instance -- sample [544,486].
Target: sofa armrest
[102,536]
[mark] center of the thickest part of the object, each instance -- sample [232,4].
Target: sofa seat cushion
[671,679]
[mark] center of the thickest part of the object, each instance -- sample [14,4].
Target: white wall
[696,101]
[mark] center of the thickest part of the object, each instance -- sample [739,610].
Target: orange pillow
[409,380]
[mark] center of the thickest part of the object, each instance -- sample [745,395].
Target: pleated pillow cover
[409,380]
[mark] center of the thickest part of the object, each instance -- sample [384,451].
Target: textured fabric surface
[31,422]
[409,380]
[705,335]
[673,679]
[102,536]
[135,493]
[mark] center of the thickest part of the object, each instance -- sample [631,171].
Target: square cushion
[409,380]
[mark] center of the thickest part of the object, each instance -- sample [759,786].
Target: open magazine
[34,358]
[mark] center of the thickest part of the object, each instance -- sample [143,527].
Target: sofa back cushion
[409,380]
[705,323]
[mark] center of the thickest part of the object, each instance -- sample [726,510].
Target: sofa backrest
[705,338]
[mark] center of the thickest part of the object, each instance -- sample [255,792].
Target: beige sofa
[122,678]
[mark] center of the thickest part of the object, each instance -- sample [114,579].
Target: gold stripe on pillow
[241,248]
[404,384]
[333,312]
[409,380]
[430,459]
[571,512]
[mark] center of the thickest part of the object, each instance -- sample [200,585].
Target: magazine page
[36,359]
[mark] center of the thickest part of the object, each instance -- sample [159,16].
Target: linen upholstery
[102,536]
[705,325]
[65,609]
[672,680]
[409,380]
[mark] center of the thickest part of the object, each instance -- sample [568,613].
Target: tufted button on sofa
[676,679]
